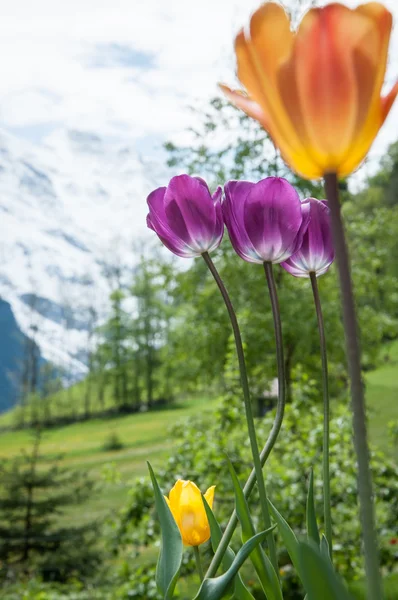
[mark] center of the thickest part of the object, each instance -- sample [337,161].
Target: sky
[127,69]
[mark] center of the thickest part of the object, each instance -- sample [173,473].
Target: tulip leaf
[241,592]
[319,578]
[312,525]
[262,564]
[325,550]
[288,536]
[170,556]
[214,589]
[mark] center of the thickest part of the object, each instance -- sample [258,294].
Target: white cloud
[48,48]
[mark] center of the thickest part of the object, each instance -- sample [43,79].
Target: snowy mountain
[67,209]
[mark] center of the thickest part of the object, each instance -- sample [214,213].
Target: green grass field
[382,399]
[144,436]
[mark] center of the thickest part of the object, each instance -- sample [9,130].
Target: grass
[144,436]
[382,399]
[390,589]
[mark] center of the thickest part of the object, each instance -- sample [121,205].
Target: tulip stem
[266,451]
[357,393]
[326,413]
[280,409]
[198,561]
[249,413]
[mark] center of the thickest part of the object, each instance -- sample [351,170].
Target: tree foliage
[32,499]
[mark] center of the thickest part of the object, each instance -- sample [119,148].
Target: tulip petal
[326,79]
[369,60]
[190,494]
[364,141]
[316,92]
[272,218]
[381,20]
[189,210]
[155,203]
[258,74]
[249,106]
[387,102]
[216,197]
[315,254]
[306,218]
[157,221]
[233,207]
[175,494]
[265,53]
[209,495]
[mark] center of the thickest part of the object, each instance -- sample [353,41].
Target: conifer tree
[33,497]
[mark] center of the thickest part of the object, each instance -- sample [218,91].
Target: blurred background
[107,341]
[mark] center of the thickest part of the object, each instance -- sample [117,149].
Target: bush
[112,443]
[199,454]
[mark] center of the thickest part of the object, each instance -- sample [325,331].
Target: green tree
[151,324]
[33,497]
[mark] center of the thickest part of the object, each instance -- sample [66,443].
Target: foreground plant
[317,91]
[186,505]
[313,259]
[267,224]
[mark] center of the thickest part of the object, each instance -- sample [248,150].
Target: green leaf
[318,576]
[262,564]
[312,525]
[214,589]
[325,551]
[288,536]
[241,592]
[170,556]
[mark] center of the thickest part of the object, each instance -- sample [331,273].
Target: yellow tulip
[317,91]
[186,505]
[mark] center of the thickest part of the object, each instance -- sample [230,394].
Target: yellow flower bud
[186,505]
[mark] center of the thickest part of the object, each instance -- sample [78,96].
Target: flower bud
[316,253]
[186,218]
[266,220]
[186,505]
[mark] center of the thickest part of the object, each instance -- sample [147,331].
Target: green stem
[326,413]
[248,409]
[198,562]
[276,314]
[270,443]
[357,393]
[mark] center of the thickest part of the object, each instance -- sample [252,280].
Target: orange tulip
[317,91]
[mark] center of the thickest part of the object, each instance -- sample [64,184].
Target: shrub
[199,455]
[112,443]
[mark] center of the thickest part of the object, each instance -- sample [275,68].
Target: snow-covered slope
[67,208]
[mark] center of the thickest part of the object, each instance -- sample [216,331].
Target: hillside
[146,436]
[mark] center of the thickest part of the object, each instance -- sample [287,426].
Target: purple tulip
[266,220]
[186,217]
[316,253]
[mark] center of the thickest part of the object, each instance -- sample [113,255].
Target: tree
[154,280]
[114,348]
[91,323]
[29,372]
[33,498]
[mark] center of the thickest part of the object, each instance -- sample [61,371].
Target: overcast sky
[122,68]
